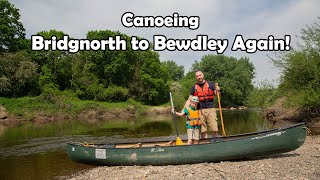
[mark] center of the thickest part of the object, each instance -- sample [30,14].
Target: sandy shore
[303,163]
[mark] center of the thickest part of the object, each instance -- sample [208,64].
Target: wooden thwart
[138,145]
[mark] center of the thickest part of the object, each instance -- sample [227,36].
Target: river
[38,151]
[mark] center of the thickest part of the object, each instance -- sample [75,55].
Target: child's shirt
[196,115]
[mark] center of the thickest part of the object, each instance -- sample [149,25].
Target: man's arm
[214,87]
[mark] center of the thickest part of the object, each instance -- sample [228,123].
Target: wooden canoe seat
[137,145]
[170,143]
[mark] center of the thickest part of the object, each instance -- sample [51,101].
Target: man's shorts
[208,119]
[193,134]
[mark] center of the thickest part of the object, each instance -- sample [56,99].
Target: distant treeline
[111,76]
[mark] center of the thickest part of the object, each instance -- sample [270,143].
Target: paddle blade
[224,133]
[179,141]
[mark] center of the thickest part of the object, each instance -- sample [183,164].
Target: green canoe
[233,147]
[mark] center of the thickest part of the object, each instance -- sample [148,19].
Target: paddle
[218,94]
[178,140]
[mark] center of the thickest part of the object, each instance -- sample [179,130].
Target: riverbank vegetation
[299,86]
[29,107]
[61,82]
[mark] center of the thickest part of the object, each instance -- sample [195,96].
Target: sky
[218,20]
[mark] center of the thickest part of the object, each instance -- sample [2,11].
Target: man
[205,91]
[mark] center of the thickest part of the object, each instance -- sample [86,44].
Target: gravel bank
[303,163]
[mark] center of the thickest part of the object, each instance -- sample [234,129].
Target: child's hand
[173,111]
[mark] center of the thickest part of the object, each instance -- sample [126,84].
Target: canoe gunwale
[267,131]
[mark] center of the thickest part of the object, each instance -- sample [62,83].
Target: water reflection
[39,166]
[244,121]
[135,127]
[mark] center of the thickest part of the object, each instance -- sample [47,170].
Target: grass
[29,106]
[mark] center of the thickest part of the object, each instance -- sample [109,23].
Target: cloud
[218,19]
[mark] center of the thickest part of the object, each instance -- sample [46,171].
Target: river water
[38,151]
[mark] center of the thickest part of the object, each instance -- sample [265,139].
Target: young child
[193,120]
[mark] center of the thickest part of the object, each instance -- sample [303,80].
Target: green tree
[123,74]
[18,75]
[234,76]
[12,32]
[153,80]
[85,83]
[300,70]
[175,71]
[54,65]
[98,75]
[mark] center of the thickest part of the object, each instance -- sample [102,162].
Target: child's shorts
[193,134]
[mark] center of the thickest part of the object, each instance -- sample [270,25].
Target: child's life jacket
[194,117]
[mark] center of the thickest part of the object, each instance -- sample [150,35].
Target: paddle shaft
[222,124]
[174,116]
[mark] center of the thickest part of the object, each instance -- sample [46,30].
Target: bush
[18,75]
[50,93]
[300,69]
[114,94]
[307,97]
[262,96]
